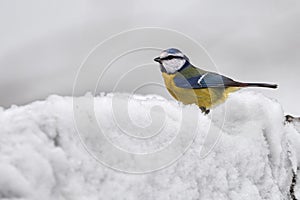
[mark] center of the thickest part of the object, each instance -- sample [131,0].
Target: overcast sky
[44,42]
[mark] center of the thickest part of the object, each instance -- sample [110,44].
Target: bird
[192,85]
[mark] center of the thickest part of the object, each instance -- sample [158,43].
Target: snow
[242,150]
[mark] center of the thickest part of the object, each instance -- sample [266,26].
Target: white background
[44,42]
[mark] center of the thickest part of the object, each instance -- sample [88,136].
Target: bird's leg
[204,110]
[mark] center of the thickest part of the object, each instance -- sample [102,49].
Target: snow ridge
[41,155]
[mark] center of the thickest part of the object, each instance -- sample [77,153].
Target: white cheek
[173,65]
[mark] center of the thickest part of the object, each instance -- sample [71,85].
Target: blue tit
[191,85]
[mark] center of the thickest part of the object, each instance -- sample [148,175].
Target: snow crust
[255,151]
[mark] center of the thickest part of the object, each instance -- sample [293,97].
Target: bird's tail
[266,85]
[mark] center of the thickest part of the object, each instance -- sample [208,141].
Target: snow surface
[42,157]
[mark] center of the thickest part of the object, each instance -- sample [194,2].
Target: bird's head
[171,60]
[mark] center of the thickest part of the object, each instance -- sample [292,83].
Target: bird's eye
[171,57]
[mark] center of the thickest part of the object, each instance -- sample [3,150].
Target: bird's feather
[197,79]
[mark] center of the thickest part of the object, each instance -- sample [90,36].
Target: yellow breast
[206,97]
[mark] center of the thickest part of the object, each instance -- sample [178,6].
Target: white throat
[173,65]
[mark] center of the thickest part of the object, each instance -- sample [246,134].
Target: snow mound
[242,150]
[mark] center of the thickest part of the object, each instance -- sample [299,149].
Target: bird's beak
[157,59]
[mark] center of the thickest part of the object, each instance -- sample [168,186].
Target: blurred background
[43,43]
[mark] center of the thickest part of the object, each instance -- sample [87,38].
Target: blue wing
[206,80]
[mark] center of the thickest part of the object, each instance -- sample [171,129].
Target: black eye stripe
[171,57]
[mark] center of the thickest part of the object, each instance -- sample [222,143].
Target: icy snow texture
[41,156]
